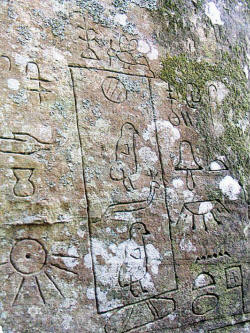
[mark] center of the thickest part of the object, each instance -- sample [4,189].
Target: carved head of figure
[138,230]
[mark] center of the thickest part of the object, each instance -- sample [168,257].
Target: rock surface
[124,166]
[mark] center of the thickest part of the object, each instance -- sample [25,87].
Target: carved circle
[114,90]
[28,256]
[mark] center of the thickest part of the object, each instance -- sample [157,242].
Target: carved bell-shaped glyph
[188,163]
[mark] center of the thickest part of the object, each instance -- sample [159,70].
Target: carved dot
[28,256]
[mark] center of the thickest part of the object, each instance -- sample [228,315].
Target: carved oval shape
[204,304]
[114,90]
[28,256]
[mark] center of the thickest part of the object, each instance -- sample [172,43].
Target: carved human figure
[133,271]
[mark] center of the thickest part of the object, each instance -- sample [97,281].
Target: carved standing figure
[125,161]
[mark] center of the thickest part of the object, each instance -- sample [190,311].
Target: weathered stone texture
[124,166]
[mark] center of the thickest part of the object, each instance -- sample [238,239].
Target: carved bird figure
[134,268]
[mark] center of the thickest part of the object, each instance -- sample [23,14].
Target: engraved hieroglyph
[124,188]
[123,178]
[31,144]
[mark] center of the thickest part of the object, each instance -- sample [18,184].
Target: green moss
[180,71]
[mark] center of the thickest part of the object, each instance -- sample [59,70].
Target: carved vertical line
[162,175]
[85,186]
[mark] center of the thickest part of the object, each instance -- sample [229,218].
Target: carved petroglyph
[138,315]
[204,213]
[133,205]
[204,304]
[114,90]
[193,95]
[233,276]
[22,143]
[134,268]
[125,157]
[125,52]
[117,214]
[5,63]
[213,256]
[36,272]
[132,186]
[188,163]
[36,84]
[24,186]
[28,256]
[203,280]
[88,36]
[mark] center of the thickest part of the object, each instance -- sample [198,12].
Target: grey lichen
[24,34]
[58,24]
[20,97]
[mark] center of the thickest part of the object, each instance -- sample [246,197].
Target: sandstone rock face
[123,166]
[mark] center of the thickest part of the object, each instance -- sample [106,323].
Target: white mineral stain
[168,130]
[143,46]
[171,317]
[213,13]
[177,183]
[122,229]
[187,246]
[1,329]
[70,262]
[147,155]
[222,92]
[246,71]
[124,216]
[21,60]
[121,19]
[154,258]
[113,247]
[188,195]
[69,303]
[230,187]
[153,54]
[33,312]
[90,293]
[170,133]
[88,261]
[214,166]
[73,251]
[66,323]
[13,84]
[102,297]
[200,281]
[11,159]
[80,233]
[205,207]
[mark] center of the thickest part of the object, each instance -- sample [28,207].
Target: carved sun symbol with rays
[29,259]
